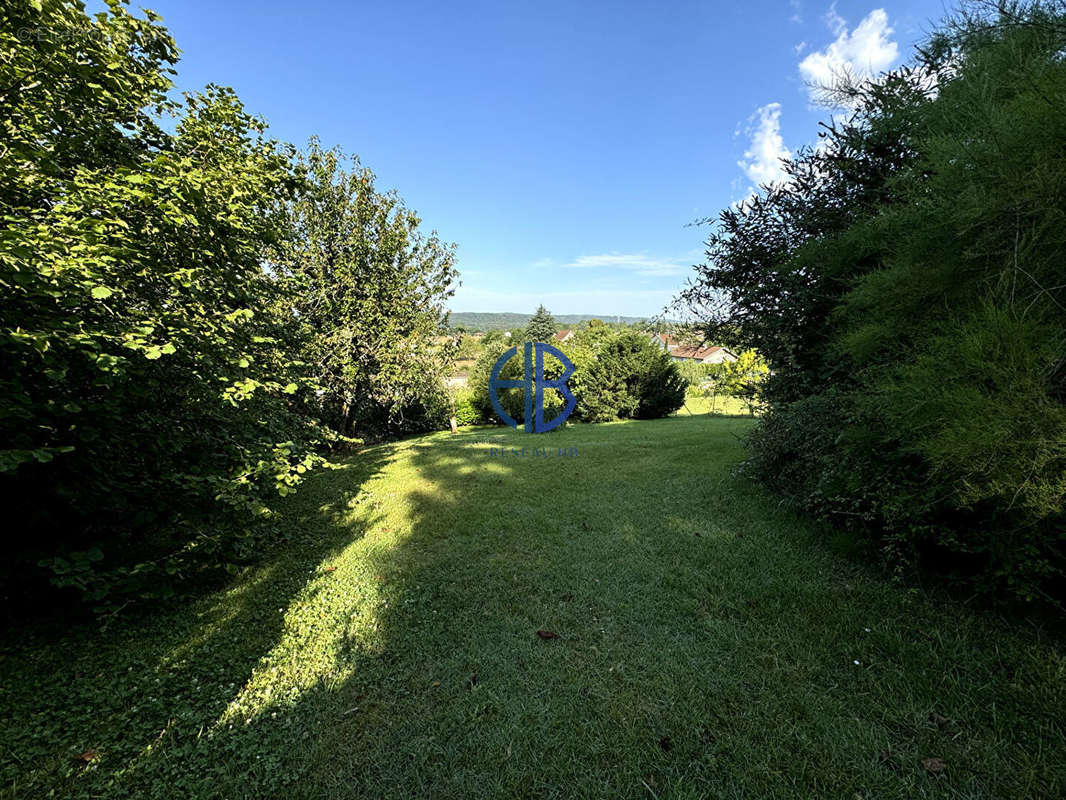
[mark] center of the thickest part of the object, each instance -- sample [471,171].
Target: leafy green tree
[906,285]
[172,340]
[591,336]
[371,293]
[492,337]
[148,369]
[541,327]
[744,378]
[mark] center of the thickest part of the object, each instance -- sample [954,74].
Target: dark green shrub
[629,378]
[907,286]
[466,412]
[617,376]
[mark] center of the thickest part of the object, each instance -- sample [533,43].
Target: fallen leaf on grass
[934,765]
[547,635]
[329,569]
[88,756]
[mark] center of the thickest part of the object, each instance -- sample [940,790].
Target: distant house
[702,355]
[564,336]
[664,341]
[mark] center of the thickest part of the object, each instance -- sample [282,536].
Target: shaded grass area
[710,644]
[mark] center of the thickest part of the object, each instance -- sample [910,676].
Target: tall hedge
[907,286]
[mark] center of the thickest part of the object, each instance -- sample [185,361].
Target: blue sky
[565,147]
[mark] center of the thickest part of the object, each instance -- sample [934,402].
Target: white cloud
[762,159]
[862,53]
[796,8]
[640,263]
[836,23]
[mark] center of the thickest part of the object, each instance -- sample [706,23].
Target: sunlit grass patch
[628,620]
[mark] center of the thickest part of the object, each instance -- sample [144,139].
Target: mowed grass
[707,643]
[722,404]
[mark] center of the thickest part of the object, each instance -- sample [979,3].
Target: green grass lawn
[723,404]
[709,644]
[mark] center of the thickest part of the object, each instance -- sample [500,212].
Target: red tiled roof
[562,334]
[696,353]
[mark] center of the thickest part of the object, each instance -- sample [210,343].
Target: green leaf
[101,292]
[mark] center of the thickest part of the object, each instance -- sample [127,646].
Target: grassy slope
[710,646]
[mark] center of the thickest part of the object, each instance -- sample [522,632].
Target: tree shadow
[85,706]
[669,672]
[450,629]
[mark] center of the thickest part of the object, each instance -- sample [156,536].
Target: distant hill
[506,321]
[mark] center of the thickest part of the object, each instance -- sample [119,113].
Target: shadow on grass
[703,647]
[84,707]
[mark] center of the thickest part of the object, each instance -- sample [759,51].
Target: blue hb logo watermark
[534,385]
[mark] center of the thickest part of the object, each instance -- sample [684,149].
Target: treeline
[508,321]
[191,320]
[908,286]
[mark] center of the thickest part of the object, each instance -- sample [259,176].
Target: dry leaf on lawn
[934,765]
